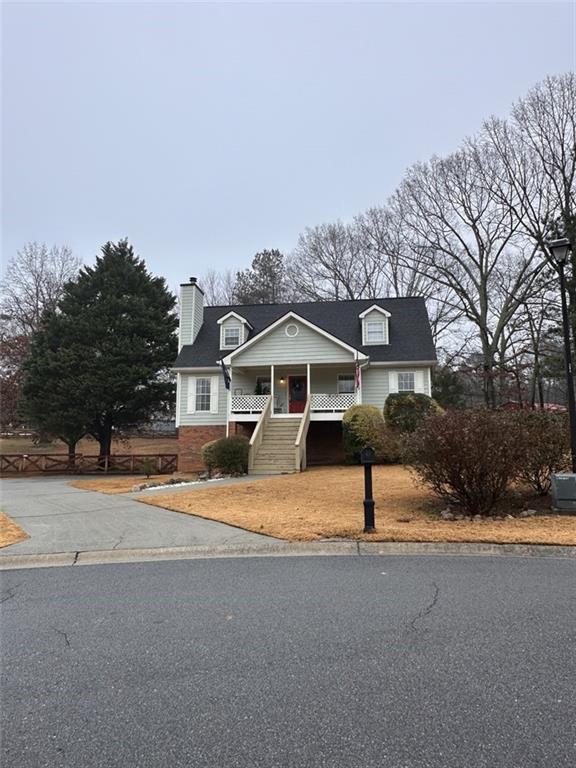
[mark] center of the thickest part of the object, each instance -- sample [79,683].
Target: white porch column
[229,403]
[307,382]
[272,387]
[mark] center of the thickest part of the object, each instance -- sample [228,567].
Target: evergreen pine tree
[107,349]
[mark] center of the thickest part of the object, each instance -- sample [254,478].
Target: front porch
[330,389]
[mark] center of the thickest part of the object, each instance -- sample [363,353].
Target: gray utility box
[564,492]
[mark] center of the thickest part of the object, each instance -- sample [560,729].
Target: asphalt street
[387,661]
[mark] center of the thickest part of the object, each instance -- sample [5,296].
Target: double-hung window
[406,382]
[231,337]
[203,394]
[375,332]
[345,385]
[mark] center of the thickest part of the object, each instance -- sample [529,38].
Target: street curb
[285,549]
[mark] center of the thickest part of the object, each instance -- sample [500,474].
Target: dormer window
[231,336]
[234,330]
[375,321]
[375,332]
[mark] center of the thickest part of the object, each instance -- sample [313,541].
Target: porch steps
[275,454]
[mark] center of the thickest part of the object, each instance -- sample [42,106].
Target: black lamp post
[560,250]
[367,458]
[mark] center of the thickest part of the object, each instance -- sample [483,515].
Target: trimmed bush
[208,456]
[404,411]
[390,449]
[362,426]
[545,441]
[467,457]
[230,454]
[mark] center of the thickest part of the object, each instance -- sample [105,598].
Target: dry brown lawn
[327,502]
[121,483]
[90,447]
[10,533]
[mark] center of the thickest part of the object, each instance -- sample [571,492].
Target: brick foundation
[191,439]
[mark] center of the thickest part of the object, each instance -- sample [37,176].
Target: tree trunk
[71,454]
[105,440]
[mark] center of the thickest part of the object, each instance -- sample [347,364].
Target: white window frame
[407,373]
[192,385]
[382,325]
[223,329]
[347,377]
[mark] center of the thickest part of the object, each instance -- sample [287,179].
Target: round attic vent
[291,330]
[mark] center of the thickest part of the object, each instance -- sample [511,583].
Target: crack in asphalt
[427,610]
[64,635]
[10,593]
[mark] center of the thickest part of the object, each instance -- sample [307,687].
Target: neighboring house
[292,371]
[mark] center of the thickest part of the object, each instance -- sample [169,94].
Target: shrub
[362,426]
[467,457]
[404,411]
[230,454]
[208,456]
[545,440]
[389,450]
[148,466]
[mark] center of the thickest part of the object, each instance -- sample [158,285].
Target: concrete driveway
[59,518]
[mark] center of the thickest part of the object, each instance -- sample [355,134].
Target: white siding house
[247,367]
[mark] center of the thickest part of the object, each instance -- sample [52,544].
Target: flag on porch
[226,374]
[357,377]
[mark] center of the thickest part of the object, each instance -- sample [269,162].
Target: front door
[297,389]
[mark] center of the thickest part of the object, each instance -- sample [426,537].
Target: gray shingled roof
[410,336]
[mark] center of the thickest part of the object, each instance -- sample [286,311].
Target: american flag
[358,377]
[226,374]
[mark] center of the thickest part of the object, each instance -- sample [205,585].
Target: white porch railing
[332,402]
[249,403]
[323,402]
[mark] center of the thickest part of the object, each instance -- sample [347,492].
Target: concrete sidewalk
[59,518]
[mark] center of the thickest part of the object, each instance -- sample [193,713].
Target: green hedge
[362,426]
[228,455]
[404,411]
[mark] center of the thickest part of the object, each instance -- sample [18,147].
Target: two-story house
[284,374]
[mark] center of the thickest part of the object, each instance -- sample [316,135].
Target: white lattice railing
[334,402]
[249,403]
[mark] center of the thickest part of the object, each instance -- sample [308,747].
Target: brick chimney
[191,311]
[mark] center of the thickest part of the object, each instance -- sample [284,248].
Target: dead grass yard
[112,484]
[88,446]
[327,502]
[10,533]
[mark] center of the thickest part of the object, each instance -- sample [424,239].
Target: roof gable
[410,336]
[234,315]
[374,308]
[283,319]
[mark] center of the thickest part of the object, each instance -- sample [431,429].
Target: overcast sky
[207,132]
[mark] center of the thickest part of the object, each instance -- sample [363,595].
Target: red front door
[297,389]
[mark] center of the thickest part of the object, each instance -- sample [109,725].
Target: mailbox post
[367,458]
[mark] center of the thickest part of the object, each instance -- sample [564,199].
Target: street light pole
[560,250]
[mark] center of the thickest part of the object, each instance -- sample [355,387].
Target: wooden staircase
[276,452]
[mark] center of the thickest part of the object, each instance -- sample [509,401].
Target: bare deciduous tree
[218,287]
[33,283]
[468,243]
[329,264]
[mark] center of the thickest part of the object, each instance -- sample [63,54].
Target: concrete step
[257,471]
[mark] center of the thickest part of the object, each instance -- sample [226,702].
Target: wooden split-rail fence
[134,463]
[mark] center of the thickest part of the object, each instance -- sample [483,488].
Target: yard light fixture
[560,250]
[367,458]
